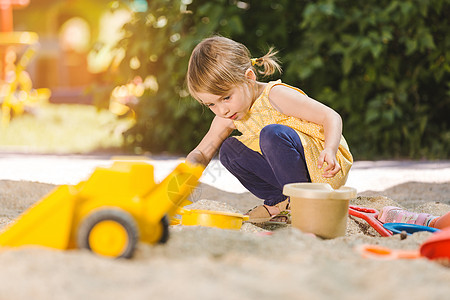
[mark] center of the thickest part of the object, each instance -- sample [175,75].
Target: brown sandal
[282,218]
[260,214]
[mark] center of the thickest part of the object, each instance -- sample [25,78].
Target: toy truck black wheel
[109,232]
[165,230]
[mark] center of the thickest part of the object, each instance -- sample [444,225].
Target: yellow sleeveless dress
[262,113]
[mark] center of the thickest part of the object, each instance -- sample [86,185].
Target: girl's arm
[291,102]
[220,129]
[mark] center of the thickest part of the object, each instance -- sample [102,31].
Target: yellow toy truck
[108,213]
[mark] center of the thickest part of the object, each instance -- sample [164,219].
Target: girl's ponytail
[269,63]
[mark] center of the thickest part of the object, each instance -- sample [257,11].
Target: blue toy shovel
[397,228]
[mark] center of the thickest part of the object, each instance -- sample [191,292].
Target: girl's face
[233,105]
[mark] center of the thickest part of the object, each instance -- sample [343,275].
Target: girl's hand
[332,167]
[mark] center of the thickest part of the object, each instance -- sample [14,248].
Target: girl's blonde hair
[218,64]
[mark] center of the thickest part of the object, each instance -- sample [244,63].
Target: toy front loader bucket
[47,223]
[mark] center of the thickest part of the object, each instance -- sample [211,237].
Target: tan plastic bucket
[318,208]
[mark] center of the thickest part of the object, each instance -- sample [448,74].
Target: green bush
[383,65]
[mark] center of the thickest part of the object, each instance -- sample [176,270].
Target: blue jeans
[282,161]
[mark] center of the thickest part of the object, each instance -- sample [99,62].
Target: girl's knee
[273,133]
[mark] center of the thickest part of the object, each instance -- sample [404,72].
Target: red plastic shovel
[370,216]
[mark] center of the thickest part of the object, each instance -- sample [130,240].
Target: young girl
[286,136]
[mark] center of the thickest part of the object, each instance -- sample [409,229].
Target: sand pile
[209,263]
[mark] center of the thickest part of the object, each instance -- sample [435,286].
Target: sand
[210,263]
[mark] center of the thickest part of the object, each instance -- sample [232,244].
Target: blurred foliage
[46,16]
[158,44]
[383,65]
[64,129]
